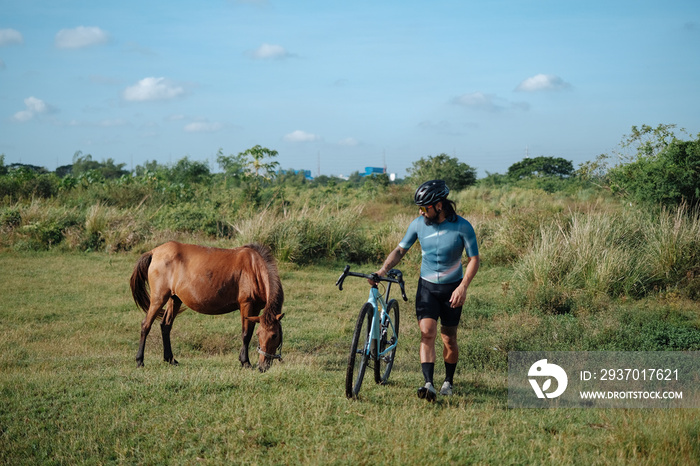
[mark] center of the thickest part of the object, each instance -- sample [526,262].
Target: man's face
[429,212]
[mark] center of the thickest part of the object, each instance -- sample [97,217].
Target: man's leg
[450,354]
[428,333]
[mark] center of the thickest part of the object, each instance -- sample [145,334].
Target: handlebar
[394,276]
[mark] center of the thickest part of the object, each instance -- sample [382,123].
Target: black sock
[428,369]
[450,371]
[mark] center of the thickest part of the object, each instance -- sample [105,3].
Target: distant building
[306,173]
[374,171]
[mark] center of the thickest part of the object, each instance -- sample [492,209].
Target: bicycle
[376,333]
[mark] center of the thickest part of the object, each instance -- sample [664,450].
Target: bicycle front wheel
[359,357]
[390,335]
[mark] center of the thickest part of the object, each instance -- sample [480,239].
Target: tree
[493,180]
[151,166]
[63,170]
[648,141]
[457,175]
[540,167]
[83,164]
[232,165]
[260,163]
[39,170]
[665,170]
[191,171]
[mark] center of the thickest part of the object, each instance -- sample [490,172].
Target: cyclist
[442,288]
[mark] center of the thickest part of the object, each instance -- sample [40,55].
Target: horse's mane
[275,294]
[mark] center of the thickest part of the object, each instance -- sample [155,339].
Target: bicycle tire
[358,360]
[384,364]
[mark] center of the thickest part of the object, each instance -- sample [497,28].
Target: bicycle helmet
[431,192]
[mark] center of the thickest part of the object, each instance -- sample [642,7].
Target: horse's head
[269,340]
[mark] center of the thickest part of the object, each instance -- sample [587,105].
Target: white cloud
[480,101]
[301,136]
[34,107]
[80,37]
[488,102]
[270,51]
[349,142]
[10,36]
[23,115]
[152,89]
[202,127]
[542,82]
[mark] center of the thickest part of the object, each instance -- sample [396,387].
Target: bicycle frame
[375,333]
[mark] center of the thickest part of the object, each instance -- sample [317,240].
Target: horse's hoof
[174,363]
[139,364]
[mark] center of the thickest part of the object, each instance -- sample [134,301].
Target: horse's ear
[255,319]
[279,316]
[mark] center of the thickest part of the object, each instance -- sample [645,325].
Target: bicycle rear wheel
[357,362]
[390,335]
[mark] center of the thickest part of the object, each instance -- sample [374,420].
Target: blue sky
[337,86]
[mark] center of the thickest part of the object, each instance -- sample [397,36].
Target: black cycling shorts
[433,302]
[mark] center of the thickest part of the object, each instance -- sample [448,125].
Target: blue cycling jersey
[442,245]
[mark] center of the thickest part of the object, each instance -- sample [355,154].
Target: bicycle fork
[378,329]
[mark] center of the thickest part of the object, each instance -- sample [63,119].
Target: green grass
[70,392]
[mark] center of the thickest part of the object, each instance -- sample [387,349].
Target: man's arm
[460,293]
[392,259]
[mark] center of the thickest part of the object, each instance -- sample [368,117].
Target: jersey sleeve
[411,235]
[469,238]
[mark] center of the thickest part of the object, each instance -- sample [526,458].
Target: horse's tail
[275,294]
[139,280]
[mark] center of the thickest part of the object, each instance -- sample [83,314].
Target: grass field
[70,392]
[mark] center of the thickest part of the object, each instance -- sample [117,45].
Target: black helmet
[431,192]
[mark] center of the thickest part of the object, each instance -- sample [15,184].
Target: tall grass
[629,253]
[566,247]
[313,234]
[300,226]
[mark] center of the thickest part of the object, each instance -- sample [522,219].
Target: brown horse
[211,281]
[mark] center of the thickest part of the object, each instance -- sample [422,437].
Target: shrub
[664,171]
[313,234]
[627,254]
[192,218]
[10,218]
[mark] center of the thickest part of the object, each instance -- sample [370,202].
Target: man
[442,288]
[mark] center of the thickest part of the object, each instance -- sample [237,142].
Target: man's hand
[391,260]
[459,295]
[378,273]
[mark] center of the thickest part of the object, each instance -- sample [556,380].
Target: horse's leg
[171,310]
[247,328]
[156,305]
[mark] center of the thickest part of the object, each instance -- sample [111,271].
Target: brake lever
[398,275]
[339,283]
[403,290]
